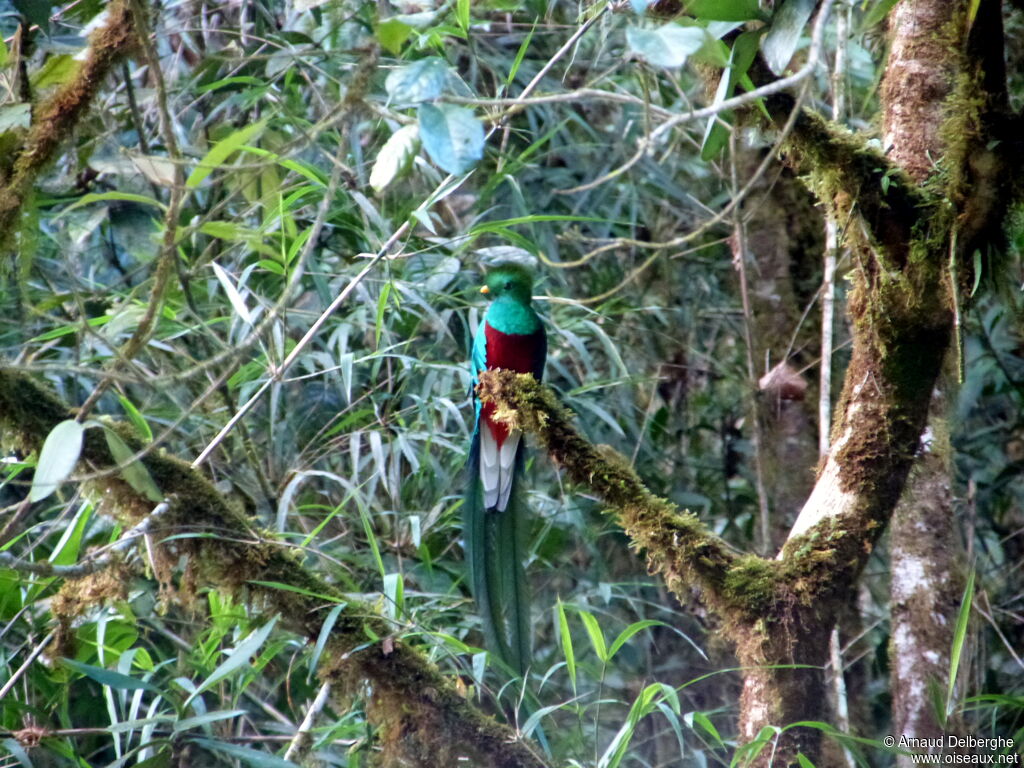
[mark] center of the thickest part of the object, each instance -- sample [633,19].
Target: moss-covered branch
[56,119]
[853,176]
[678,546]
[421,718]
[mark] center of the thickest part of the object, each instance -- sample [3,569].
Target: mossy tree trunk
[927,586]
[943,102]
[914,216]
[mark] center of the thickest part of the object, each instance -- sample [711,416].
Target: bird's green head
[509,280]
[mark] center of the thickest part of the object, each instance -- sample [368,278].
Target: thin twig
[832,245]
[740,263]
[25,665]
[768,159]
[93,563]
[569,97]
[776,86]
[300,743]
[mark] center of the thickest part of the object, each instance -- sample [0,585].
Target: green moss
[752,585]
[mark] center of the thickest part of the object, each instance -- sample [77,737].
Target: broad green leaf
[297,245]
[15,750]
[271,266]
[57,459]
[423,80]
[66,550]
[36,11]
[239,657]
[596,636]
[392,34]
[226,230]
[396,154]
[139,724]
[716,134]
[788,22]
[221,151]
[699,718]
[667,46]
[234,233]
[749,751]
[394,591]
[724,10]
[878,12]
[462,14]
[57,70]
[452,136]
[12,597]
[644,704]
[15,116]
[314,174]
[534,719]
[110,678]
[134,472]
[382,303]
[241,80]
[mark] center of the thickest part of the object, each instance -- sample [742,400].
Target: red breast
[517,352]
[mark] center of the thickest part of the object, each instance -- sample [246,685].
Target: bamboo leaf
[238,658]
[109,678]
[594,631]
[221,151]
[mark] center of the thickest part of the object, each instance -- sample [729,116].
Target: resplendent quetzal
[511,336]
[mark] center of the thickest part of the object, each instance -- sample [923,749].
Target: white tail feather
[507,466]
[497,467]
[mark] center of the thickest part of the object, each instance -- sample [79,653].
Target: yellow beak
[485,289]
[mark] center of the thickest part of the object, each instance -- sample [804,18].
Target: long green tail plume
[496,545]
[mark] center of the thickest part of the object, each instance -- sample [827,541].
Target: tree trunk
[784,245]
[927,586]
[903,308]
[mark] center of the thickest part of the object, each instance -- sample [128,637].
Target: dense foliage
[295,203]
